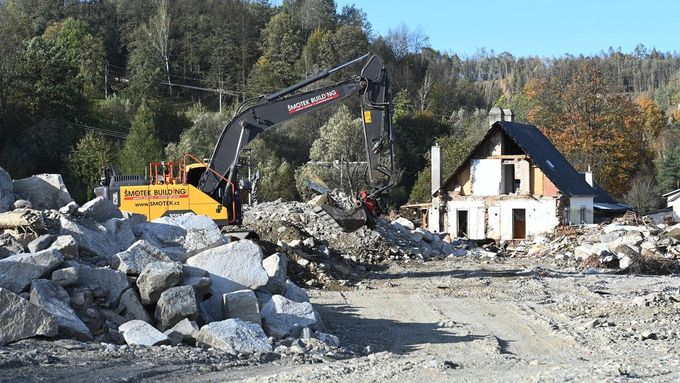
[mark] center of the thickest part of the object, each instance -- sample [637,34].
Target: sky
[547,28]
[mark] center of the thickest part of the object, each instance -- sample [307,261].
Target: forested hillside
[88,83]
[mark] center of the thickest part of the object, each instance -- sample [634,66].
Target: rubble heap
[94,273]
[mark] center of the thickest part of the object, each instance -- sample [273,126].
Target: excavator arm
[254,117]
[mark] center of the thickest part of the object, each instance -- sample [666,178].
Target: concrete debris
[6,191]
[282,316]
[20,319]
[137,256]
[55,300]
[137,332]
[243,305]
[234,336]
[17,271]
[156,277]
[174,305]
[44,191]
[100,209]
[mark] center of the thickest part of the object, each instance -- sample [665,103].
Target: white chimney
[589,177]
[436,168]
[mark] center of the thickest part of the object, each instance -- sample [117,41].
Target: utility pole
[106,80]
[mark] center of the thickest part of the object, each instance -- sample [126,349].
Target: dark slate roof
[543,154]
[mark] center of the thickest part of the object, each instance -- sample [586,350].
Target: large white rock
[175,304]
[112,281]
[55,300]
[276,266]
[295,293]
[44,191]
[234,336]
[183,236]
[243,305]
[157,277]
[137,332]
[404,223]
[6,191]
[100,209]
[281,315]
[133,260]
[17,271]
[232,267]
[20,319]
[94,238]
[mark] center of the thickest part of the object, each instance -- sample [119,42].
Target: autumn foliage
[594,126]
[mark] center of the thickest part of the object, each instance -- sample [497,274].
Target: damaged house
[513,185]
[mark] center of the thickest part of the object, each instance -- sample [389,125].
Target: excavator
[212,188]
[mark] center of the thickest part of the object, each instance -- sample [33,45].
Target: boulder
[92,237]
[17,271]
[232,267]
[67,276]
[328,339]
[22,204]
[243,305]
[41,243]
[69,208]
[234,336]
[55,300]
[6,191]
[197,278]
[66,245]
[674,232]
[276,266]
[188,329]
[133,260]
[427,235]
[131,306]
[404,223]
[295,293]
[110,282]
[137,332]
[100,209]
[183,236]
[20,319]
[175,304]
[9,245]
[157,277]
[281,316]
[44,191]
[120,230]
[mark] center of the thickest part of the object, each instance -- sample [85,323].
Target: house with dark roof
[514,184]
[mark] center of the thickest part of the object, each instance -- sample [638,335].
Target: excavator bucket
[349,220]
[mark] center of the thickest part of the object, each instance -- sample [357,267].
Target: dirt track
[450,320]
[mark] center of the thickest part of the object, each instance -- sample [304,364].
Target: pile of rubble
[93,273]
[626,245]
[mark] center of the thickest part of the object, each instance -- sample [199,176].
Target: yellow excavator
[212,188]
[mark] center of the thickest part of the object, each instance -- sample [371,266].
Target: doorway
[519,225]
[462,224]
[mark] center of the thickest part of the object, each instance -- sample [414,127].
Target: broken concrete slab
[17,271]
[133,260]
[234,336]
[175,304]
[41,243]
[183,236]
[281,316]
[6,191]
[44,191]
[66,245]
[295,293]
[276,266]
[100,209]
[110,282]
[157,277]
[20,319]
[131,306]
[243,305]
[137,332]
[55,300]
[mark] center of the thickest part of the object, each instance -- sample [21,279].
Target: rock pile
[93,273]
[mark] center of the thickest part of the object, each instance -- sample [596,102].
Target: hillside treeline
[84,84]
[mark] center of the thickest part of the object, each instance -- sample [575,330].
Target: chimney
[508,115]
[588,175]
[495,114]
[436,168]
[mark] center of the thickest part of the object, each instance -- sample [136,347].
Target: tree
[668,170]
[92,153]
[157,33]
[642,195]
[200,139]
[141,145]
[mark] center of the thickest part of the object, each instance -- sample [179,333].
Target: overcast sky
[532,27]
